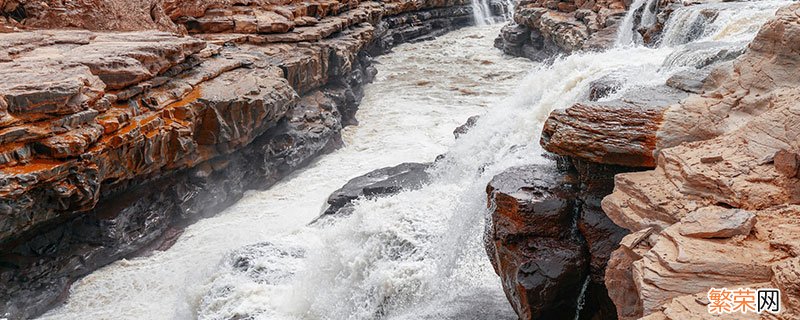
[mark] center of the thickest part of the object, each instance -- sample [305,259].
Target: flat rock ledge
[111,141]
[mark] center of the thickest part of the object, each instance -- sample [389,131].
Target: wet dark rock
[602,236]
[419,26]
[521,41]
[602,88]
[464,128]
[532,240]
[381,182]
[550,215]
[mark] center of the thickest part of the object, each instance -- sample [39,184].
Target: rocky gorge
[651,157]
[119,128]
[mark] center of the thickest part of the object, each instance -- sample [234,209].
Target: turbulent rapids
[417,254]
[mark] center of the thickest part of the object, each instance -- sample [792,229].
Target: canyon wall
[704,174]
[720,207]
[710,197]
[111,141]
[544,28]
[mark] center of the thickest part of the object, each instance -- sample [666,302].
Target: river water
[415,255]
[422,92]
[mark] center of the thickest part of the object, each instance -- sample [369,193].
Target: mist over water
[415,255]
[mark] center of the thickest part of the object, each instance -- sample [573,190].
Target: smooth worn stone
[379,183]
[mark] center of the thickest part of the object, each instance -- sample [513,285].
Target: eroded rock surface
[532,241]
[111,141]
[543,28]
[719,209]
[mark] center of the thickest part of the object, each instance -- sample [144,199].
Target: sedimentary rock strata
[719,207]
[112,141]
[543,28]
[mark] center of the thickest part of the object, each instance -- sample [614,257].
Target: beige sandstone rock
[712,222]
[717,151]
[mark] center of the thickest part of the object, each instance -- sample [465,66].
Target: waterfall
[645,10]
[414,255]
[717,22]
[483,14]
[582,298]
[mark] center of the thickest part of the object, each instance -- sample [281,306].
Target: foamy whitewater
[415,255]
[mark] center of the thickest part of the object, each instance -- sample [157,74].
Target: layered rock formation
[719,208]
[112,141]
[738,131]
[543,28]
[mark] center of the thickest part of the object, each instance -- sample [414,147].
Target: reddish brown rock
[543,28]
[546,228]
[628,132]
[111,140]
[530,241]
[787,163]
[91,15]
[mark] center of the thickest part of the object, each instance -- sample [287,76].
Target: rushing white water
[414,255]
[626,34]
[422,92]
[729,22]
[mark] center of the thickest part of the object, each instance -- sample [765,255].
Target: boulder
[531,240]
[378,183]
